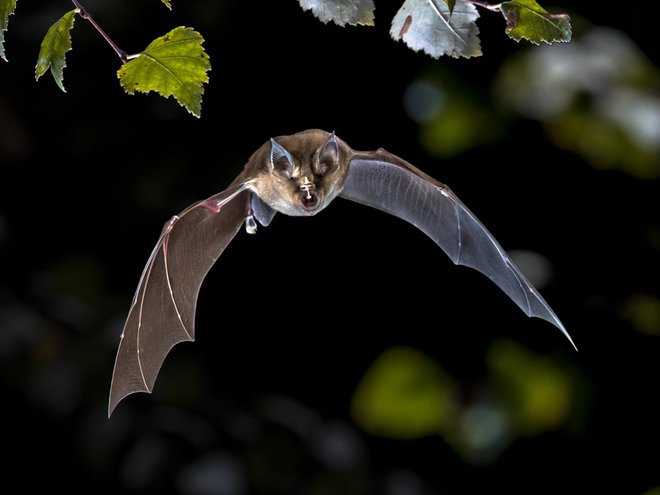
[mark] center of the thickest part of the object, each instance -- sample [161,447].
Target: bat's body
[297,175]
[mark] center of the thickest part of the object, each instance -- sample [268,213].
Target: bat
[297,175]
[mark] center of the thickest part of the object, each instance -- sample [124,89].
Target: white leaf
[342,12]
[429,26]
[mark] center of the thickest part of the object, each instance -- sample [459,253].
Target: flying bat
[297,175]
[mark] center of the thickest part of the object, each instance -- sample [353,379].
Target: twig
[85,15]
[495,7]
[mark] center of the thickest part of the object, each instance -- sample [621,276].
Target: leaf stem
[495,7]
[85,15]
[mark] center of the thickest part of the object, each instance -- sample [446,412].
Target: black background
[298,312]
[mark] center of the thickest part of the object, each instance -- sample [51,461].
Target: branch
[485,5]
[85,15]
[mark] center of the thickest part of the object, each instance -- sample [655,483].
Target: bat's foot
[250,225]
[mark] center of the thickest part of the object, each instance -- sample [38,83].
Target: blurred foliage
[643,313]
[406,394]
[538,392]
[597,96]
[452,118]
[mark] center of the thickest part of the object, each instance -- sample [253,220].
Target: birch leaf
[7,8]
[527,19]
[173,65]
[428,25]
[342,12]
[54,47]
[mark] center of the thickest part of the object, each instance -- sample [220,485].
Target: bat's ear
[328,155]
[281,160]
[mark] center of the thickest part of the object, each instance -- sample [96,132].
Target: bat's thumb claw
[250,225]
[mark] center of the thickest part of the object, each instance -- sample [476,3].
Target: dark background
[290,320]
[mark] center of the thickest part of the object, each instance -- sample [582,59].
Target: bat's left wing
[388,183]
[163,310]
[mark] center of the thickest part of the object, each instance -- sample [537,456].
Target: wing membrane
[388,183]
[163,310]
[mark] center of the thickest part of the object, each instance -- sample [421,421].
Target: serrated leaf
[172,65]
[167,4]
[342,12]
[54,47]
[7,8]
[527,19]
[428,25]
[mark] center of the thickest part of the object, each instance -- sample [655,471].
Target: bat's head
[303,172]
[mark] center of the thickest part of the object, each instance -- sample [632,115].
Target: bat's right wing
[163,310]
[385,181]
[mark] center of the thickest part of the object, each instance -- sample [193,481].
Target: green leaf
[428,25]
[172,65]
[7,8]
[342,12]
[450,4]
[54,47]
[167,4]
[527,19]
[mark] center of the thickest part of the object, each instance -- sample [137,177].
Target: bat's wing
[163,310]
[386,182]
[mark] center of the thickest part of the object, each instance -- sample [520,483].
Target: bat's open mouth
[309,200]
[308,197]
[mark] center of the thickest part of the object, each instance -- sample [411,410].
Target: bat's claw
[250,225]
